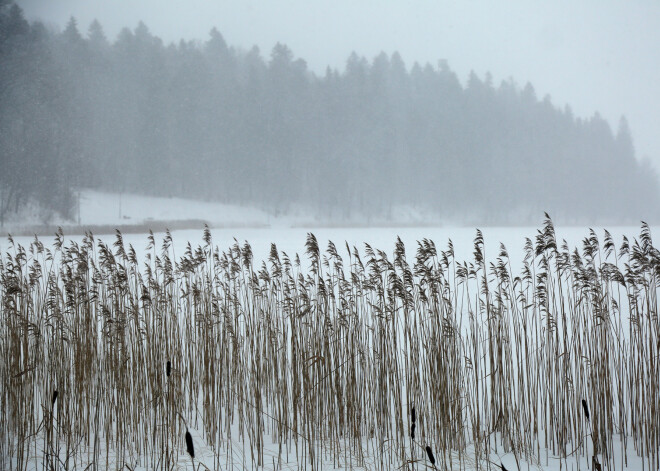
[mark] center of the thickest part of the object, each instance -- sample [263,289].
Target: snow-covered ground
[98,208]
[135,215]
[290,457]
[101,209]
[102,212]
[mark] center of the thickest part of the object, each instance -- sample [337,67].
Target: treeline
[205,120]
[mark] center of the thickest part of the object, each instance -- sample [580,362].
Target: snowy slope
[103,212]
[98,208]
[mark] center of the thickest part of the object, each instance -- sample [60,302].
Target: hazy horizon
[593,56]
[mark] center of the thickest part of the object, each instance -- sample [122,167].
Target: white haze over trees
[203,119]
[591,54]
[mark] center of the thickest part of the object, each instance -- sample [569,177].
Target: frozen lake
[289,232]
[292,240]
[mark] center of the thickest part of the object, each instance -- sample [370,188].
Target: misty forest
[205,120]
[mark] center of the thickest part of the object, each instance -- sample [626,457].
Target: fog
[478,111]
[593,55]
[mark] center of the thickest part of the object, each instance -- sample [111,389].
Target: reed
[317,361]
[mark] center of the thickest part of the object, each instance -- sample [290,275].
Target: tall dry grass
[355,359]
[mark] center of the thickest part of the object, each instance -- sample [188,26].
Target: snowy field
[105,212]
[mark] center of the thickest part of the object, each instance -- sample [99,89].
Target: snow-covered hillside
[98,208]
[103,212]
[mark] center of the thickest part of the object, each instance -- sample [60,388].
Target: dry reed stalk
[324,360]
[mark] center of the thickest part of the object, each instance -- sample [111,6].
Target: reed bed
[358,359]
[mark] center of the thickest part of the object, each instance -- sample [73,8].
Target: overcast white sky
[595,55]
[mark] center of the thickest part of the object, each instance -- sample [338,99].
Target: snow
[237,456]
[103,211]
[98,208]
[134,215]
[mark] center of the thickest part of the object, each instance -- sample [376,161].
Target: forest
[206,120]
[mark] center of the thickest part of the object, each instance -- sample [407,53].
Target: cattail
[595,464]
[430,453]
[54,398]
[168,368]
[412,414]
[189,444]
[412,431]
[586,409]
